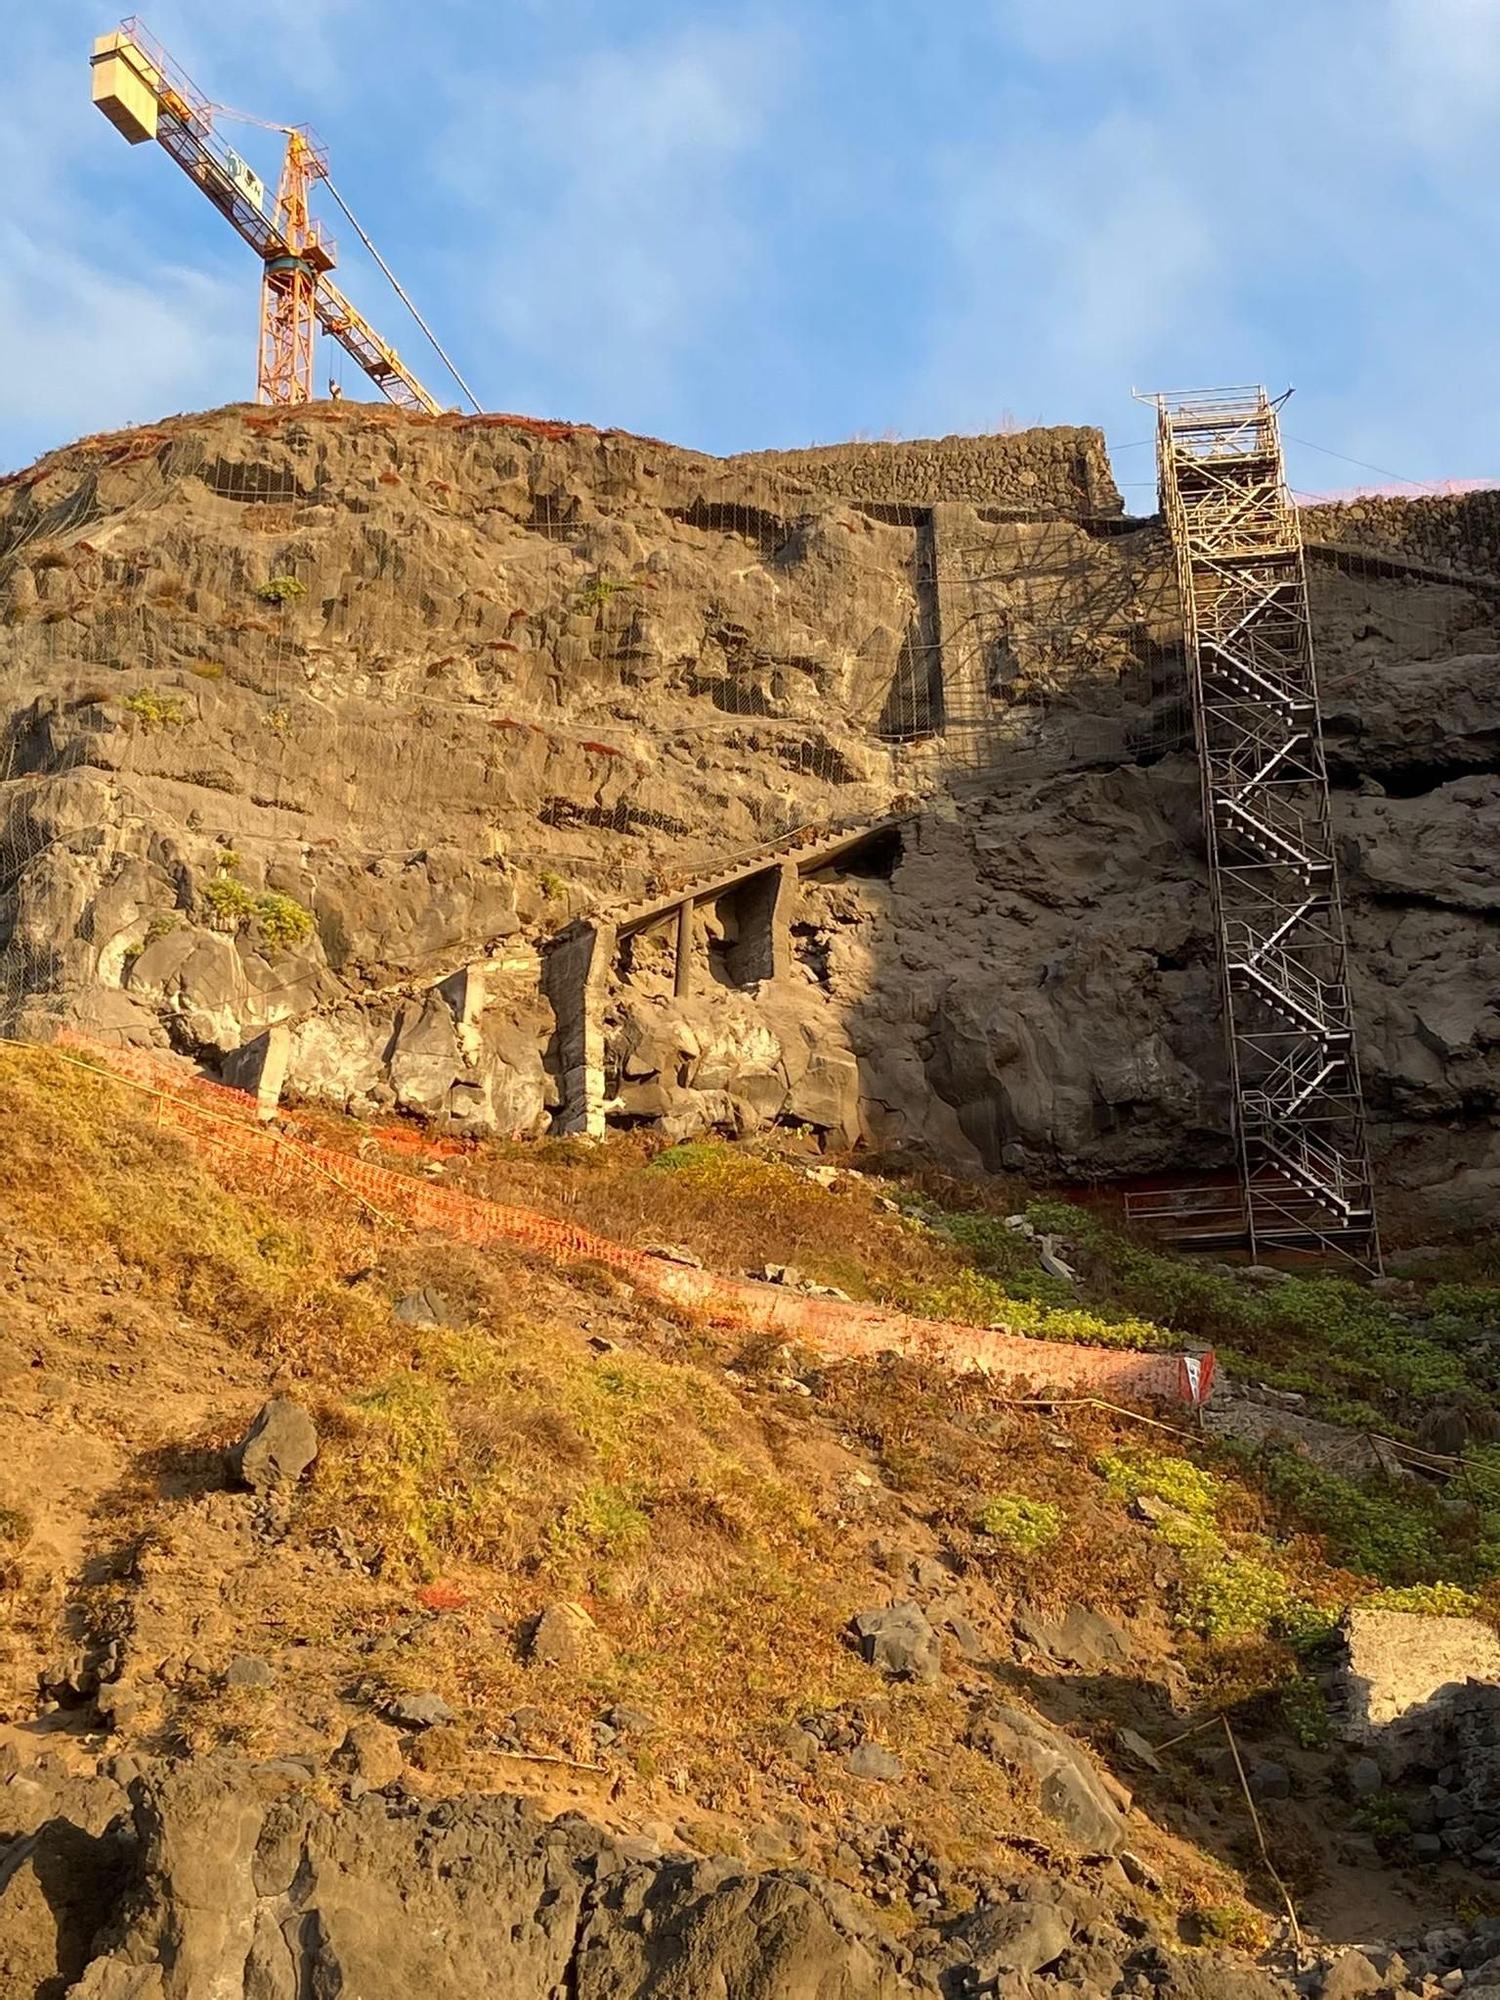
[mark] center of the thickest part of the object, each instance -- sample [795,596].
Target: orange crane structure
[144,95]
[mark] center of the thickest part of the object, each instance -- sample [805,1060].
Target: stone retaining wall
[1454,531]
[1064,468]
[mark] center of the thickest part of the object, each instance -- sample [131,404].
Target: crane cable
[401,294]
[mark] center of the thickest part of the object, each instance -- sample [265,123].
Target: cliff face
[337,721]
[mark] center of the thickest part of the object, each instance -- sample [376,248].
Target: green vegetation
[978,1300]
[1429,1600]
[283,921]
[1231,1589]
[282,590]
[280,920]
[156,711]
[1023,1526]
[1394,1534]
[231,905]
[1385,1818]
[1137,1474]
[601,590]
[1357,1359]
[1228,1924]
[1304,1709]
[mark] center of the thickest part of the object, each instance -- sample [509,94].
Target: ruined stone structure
[536,778]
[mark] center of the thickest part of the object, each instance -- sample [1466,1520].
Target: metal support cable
[403,295]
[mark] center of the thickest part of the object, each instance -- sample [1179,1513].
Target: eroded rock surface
[244,1881]
[322,727]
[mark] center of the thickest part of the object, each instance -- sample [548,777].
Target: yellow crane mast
[144,95]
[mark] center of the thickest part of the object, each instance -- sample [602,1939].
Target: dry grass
[720,1536]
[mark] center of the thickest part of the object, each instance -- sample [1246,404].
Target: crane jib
[145,95]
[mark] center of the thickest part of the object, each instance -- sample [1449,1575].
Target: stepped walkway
[756,893]
[225,1128]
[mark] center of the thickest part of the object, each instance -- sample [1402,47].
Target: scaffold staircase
[1299,1120]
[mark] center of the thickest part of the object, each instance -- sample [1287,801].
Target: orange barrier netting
[224,1125]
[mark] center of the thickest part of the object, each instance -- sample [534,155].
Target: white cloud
[82,350]
[615,212]
[1217,202]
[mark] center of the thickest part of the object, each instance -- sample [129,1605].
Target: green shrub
[1064,1218]
[1008,1255]
[1328,1338]
[1428,1600]
[1304,1708]
[156,711]
[1139,1472]
[1385,1818]
[282,590]
[283,921]
[1232,1595]
[976,1299]
[1467,1305]
[1023,1525]
[1393,1534]
[1227,1923]
[601,590]
[231,905]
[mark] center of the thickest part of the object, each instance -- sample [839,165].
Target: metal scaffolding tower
[1299,1119]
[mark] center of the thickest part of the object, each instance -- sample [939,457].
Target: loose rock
[278,1448]
[900,1641]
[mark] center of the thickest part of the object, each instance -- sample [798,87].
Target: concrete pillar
[763,909]
[259,1068]
[575,976]
[682,971]
[467,993]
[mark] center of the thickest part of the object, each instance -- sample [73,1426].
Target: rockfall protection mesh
[506,673]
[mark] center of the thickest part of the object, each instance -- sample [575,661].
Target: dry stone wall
[1452,531]
[1057,470]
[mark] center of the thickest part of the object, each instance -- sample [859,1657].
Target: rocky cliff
[345,725]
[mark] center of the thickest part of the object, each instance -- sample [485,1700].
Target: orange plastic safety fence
[224,1126]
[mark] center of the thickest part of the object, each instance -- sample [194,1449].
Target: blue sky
[802,220]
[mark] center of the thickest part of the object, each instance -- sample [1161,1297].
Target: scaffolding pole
[1299,1124]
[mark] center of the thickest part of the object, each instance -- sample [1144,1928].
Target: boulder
[1078,1637]
[371,1752]
[874,1762]
[58,1887]
[563,1635]
[247,1670]
[246,1883]
[1350,1977]
[419,1711]
[1070,1788]
[899,1640]
[278,1448]
[1008,1939]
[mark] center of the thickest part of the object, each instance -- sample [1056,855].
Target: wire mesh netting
[367,659]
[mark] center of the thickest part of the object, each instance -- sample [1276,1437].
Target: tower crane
[145,95]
